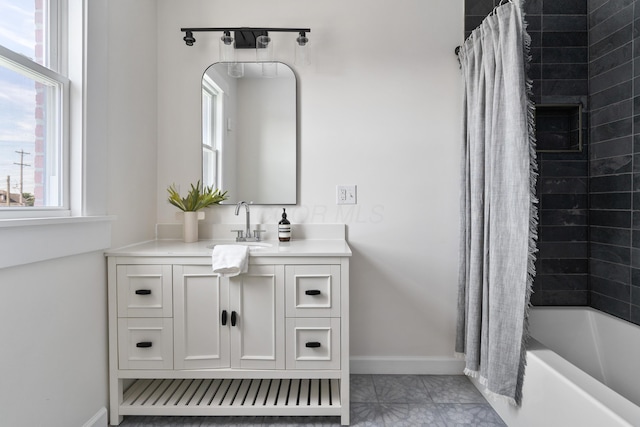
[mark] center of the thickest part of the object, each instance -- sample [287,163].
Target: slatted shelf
[232,397]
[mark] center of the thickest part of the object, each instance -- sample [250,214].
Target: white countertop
[172,247]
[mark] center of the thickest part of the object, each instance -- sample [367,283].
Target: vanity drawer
[144,290]
[312,290]
[145,343]
[313,343]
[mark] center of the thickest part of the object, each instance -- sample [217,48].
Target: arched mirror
[249,132]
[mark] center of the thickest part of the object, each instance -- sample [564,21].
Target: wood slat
[314,393]
[134,391]
[242,393]
[231,393]
[222,391]
[293,393]
[252,393]
[304,393]
[169,392]
[162,387]
[208,397]
[199,394]
[182,389]
[272,397]
[325,392]
[283,395]
[188,394]
[146,394]
[262,393]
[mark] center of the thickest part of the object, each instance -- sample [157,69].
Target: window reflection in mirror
[249,133]
[211,125]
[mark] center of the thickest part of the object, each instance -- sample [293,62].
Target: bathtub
[583,369]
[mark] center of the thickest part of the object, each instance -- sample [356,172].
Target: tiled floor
[376,400]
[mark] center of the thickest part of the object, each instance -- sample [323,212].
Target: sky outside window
[21,26]
[18,27]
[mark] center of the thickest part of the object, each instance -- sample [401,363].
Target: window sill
[25,241]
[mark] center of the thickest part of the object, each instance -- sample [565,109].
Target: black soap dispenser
[284,228]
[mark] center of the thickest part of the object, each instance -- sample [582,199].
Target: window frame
[216,97]
[54,73]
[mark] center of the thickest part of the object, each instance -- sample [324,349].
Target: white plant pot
[190,226]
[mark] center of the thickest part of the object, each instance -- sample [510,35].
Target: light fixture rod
[286,30]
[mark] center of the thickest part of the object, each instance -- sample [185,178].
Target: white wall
[54,346]
[132,154]
[53,314]
[379,108]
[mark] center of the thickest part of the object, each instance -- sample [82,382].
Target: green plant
[198,197]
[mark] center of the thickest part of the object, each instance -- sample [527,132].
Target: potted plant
[199,197]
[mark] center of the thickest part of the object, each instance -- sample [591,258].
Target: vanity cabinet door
[258,322]
[200,298]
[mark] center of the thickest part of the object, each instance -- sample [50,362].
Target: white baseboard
[98,420]
[407,365]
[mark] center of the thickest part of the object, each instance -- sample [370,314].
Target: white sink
[252,245]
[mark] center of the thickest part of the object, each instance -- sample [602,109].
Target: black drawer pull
[234,318]
[224,317]
[144,344]
[312,344]
[312,292]
[143,292]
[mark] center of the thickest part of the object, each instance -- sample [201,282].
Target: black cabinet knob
[312,292]
[144,344]
[234,318]
[143,292]
[224,317]
[312,344]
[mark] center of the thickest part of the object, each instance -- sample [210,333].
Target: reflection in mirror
[249,133]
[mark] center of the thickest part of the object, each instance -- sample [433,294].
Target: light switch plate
[346,194]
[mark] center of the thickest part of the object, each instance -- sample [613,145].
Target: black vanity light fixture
[244,37]
[252,38]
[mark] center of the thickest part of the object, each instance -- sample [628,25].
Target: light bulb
[227,50]
[264,48]
[301,57]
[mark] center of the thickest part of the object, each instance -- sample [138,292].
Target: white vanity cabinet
[271,342]
[231,322]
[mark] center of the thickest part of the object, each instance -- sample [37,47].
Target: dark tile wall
[475,11]
[614,53]
[559,70]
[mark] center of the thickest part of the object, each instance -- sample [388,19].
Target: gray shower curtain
[498,204]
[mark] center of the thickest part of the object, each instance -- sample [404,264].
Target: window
[37,60]
[34,153]
[211,131]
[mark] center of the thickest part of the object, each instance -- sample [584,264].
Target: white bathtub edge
[573,393]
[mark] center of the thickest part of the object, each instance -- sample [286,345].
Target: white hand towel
[230,260]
